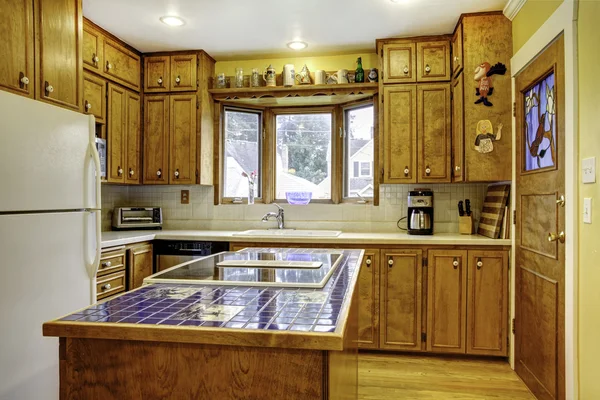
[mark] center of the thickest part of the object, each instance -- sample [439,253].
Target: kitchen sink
[289,233]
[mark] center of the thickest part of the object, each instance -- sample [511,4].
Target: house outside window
[358,151]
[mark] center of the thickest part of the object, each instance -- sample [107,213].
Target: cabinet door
[458,134]
[457,51]
[433,61]
[121,64]
[399,134]
[446,301]
[434,132]
[116,138]
[92,48]
[368,300]
[139,265]
[399,63]
[401,305]
[487,303]
[58,53]
[156,139]
[157,74]
[16,47]
[184,72]
[182,143]
[133,135]
[94,97]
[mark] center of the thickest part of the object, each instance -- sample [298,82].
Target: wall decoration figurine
[483,75]
[484,142]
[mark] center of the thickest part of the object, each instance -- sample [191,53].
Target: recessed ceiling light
[172,20]
[297,45]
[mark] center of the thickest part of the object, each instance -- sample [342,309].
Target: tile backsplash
[202,214]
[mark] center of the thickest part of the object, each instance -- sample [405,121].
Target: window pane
[241,152]
[303,156]
[358,149]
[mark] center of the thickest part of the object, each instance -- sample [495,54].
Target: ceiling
[243,29]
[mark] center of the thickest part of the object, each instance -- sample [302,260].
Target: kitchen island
[212,341]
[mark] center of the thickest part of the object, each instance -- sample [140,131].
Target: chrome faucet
[278,216]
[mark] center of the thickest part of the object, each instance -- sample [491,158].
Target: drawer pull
[479,263]
[107,264]
[107,286]
[455,263]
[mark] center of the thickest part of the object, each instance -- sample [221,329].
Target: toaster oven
[137,218]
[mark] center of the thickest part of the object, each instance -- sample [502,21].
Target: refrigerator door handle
[92,266]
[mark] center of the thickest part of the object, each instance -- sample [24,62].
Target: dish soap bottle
[360,72]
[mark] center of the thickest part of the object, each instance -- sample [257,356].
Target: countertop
[225,315]
[121,238]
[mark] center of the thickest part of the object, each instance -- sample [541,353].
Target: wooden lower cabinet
[368,298]
[139,265]
[123,268]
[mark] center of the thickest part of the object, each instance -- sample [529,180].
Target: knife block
[465,225]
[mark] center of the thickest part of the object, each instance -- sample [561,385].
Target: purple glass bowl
[298,198]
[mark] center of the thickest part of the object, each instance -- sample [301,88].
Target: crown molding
[512,8]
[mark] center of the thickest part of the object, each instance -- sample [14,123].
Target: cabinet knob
[160,81]
[406,171]
[479,264]
[107,286]
[456,58]
[457,168]
[427,170]
[107,264]
[88,106]
[427,68]
[178,79]
[131,172]
[368,262]
[176,173]
[95,59]
[120,171]
[455,263]
[108,65]
[49,88]
[406,69]
[159,172]
[390,262]
[25,80]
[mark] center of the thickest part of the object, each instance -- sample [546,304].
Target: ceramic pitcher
[270,76]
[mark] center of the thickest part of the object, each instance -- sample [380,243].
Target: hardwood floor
[398,376]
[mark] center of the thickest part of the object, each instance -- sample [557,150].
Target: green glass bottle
[360,72]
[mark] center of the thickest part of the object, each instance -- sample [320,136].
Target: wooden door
[446,301]
[458,133]
[434,131]
[540,252]
[487,303]
[182,143]
[433,61]
[157,74]
[133,136]
[116,137]
[93,53]
[400,134]
[401,304]
[94,97]
[457,50]
[59,73]
[368,301]
[140,265]
[16,47]
[399,63]
[121,64]
[156,139]
[184,72]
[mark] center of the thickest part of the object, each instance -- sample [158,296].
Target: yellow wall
[589,235]
[328,63]
[529,19]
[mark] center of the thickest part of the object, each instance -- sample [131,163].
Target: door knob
[406,69]
[427,68]
[552,237]
[561,201]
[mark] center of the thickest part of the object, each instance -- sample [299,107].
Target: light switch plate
[587,210]
[588,167]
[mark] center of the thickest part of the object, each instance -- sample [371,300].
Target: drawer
[111,262]
[110,285]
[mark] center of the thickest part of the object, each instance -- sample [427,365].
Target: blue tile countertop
[193,313]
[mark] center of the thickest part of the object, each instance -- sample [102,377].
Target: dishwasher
[168,253]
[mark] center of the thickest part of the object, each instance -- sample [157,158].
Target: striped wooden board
[493,211]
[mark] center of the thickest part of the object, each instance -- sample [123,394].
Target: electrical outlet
[185,197]
[588,167]
[587,210]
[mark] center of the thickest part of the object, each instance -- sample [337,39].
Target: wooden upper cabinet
[93,44]
[399,63]
[184,72]
[433,61]
[157,73]
[487,303]
[434,132]
[94,97]
[401,305]
[116,137]
[156,139]
[59,52]
[458,134]
[133,133]
[399,134]
[121,64]
[446,301]
[17,47]
[368,301]
[182,143]
[140,265]
[457,50]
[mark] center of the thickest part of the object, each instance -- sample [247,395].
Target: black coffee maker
[420,212]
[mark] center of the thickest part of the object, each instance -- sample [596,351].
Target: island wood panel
[457,50]
[399,63]
[117,100]
[401,304]
[59,65]
[17,47]
[184,72]
[446,301]
[434,133]
[140,265]
[182,141]
[400,134]
[133,136]
[157,73]
[433,61]
[206,132]
[93,48]
[368,293]
[458,132]
[121,65]
[156,139]
[94,97]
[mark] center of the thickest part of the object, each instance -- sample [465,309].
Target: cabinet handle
[178,79]
[107,286]
[457,168]
[456,58]
[406,171]
[390,262]
[159,172]
[405,69]
[427,170]
[88,106]
[95,58]
[107,264]
[119,171]
[455,263]
[25,80]
[131,172]
[160,81]
[427,69]
[479,263]
[368,262]
[49,88]
[108,65]
[177,173]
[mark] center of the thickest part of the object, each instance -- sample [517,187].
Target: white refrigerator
[49,236]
